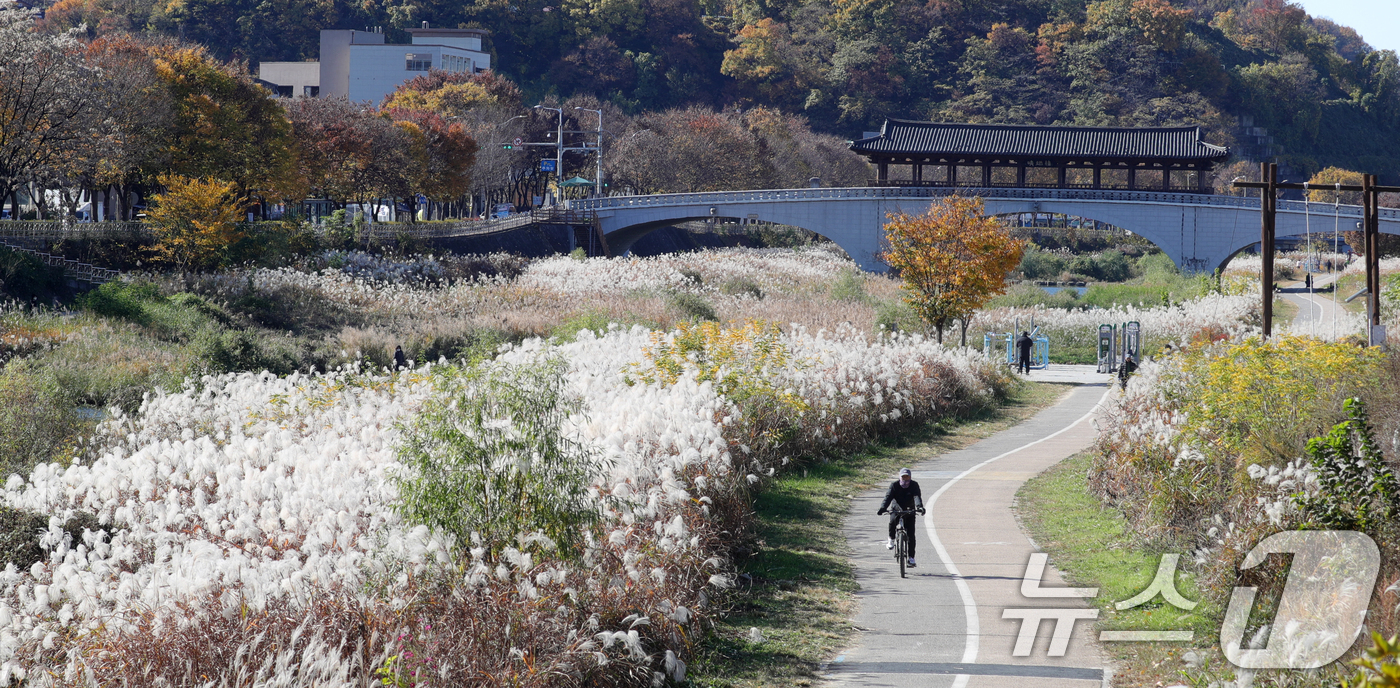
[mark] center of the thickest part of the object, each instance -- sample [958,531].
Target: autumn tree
[952,259]
[48,109]
[439,155]
[227,127]
[195,220]
[346,151]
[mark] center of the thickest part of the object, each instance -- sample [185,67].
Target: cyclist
[905,493]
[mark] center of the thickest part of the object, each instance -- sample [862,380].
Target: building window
[284,91]
[311,91]
[419,63]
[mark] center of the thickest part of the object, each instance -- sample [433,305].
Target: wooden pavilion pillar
[1166,179]
[1132,176]
[986,175]
[882,171]
[952,173]
[1061,170]
[1021,175]
[1098,177]
[918,174]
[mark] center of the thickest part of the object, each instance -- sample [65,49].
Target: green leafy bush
[23,276]
[488,462]
[692,306]
[1358,490]
[850,286]
[39,422]
[895,315]
[1029,296]
[1041,265]
[742,286]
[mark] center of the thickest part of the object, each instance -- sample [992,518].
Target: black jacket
[906,497]
[1024,343]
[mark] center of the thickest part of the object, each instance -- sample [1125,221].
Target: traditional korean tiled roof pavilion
[990,155]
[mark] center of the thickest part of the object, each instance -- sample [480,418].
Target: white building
[362,67]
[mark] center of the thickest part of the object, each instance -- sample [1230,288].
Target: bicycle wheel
[901,550]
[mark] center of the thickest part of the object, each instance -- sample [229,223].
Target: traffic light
[507,146]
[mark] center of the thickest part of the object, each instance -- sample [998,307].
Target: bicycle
[901,537]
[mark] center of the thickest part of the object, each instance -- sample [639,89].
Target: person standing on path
[905,493]
[1023,353]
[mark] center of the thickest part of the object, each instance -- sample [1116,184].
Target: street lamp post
[598,169]
[558,152]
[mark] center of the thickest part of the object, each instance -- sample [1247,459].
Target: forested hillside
[1323,95]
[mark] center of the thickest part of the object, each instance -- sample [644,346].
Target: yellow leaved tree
[195,220]
[952,259]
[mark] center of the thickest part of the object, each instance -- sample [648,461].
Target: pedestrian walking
[400,361]
[1126,371]
[1023,353]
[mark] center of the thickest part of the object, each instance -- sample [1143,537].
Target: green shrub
[1025,295]
[23,276]
[692,306]
[742,286]
[39,422]
[594,321]
[850,287]
[579,254]
[897,316]
[125,300]
[227,351]
[1112,266]
[1041,265]
[1156,266]
[487,461]
[1357,490]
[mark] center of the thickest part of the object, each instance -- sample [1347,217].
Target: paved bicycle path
[915,631]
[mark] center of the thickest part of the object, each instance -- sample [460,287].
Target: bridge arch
[1199,232]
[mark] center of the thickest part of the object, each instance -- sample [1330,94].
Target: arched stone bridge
[1199,232]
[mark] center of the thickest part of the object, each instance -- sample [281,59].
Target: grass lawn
[1089,543]
[798,589]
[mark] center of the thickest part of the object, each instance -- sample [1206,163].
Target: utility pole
[598,154]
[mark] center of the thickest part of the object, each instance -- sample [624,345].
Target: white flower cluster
[780,269]
[1227,314]
[254,489]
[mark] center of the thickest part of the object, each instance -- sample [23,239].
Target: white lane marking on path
[974,627]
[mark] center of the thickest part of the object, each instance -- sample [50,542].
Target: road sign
[519,140]
[547,165]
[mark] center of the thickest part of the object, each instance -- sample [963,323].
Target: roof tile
[935,138]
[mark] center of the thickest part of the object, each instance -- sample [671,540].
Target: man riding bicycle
[905,493]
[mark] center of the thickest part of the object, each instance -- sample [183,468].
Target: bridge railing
[898,193]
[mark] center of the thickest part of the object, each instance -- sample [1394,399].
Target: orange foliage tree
[196,220]
[952,259]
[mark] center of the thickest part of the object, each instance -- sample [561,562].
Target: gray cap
[905,471]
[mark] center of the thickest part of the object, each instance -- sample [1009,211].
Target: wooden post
[952,173]
[884,171]
[1268,198]
[918,174]
[1132,176]
[1098,177]
[1061,170]
[1371,226]
[986,175]
[1021,175]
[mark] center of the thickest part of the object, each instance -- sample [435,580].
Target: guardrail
[896,193]
[74,269]
[56,229]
